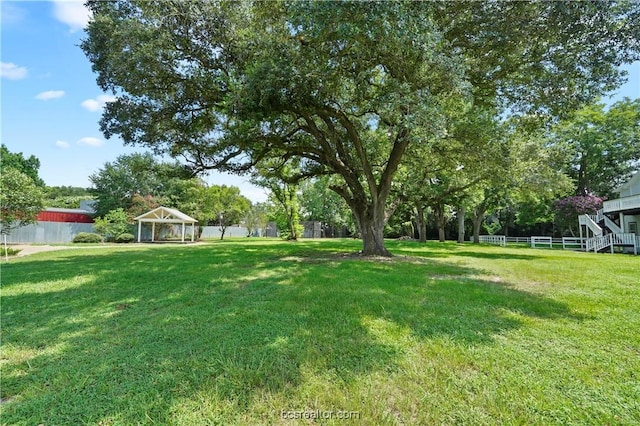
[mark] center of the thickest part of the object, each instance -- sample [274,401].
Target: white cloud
[91,105]
[12,71]
[11,14]
[50,94]
[62,144]
[97,103]
[72,13]
[89,141]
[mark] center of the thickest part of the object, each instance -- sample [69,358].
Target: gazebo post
[166,215]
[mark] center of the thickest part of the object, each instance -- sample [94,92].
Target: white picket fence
[595,244]
[500,240]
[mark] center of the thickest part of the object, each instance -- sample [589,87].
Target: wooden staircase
[591,222]
[601,241]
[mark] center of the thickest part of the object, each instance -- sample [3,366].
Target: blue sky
[51,104]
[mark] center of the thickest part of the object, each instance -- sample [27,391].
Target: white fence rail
[597,243]
[519,240]
[541,241]
[500,240]
[573,243]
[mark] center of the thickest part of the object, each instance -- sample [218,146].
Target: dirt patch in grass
[375,259]
[27,249]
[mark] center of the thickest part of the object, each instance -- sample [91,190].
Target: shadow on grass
[496,255]
[433,249]
[123,335]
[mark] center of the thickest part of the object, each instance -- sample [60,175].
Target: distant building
[88,205]
[52,214]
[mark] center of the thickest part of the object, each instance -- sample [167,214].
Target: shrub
[9,251]
[87,237]
[112,224]
[125,238]
[568,209]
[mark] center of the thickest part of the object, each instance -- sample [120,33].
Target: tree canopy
[29,166]
[220,205]
[342,88]
[20,199]
[319,203]
[602,146]
[282,183]
[118,183]
[256,219]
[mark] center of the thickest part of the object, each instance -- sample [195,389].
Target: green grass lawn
[236,332]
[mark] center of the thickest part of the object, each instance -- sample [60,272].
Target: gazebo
[165,215]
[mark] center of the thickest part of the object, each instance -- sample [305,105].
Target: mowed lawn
[257,331]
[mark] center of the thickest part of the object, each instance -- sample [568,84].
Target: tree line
[364,93]
[537,183]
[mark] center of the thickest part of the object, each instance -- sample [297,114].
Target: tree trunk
[582,177]
[293,227]
[421,224]
[478,217]
[222,231]
[461,213]
[291,207]
[368,206]
[373,240]
[371,223]
[504,225]
[438,212]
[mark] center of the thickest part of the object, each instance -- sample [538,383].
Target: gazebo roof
[165,215]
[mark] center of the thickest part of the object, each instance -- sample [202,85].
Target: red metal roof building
[64,215]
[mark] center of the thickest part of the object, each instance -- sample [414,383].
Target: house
[616,224]
[627,206]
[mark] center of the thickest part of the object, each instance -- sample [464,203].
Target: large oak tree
[342,88]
